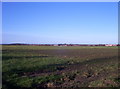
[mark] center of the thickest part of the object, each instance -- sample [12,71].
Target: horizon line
[58,43]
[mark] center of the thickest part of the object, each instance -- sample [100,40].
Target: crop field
[27,66]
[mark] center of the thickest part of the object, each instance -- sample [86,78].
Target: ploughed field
[58,66]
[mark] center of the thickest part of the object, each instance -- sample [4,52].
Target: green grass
[36,66]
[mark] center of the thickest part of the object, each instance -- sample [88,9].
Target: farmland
[34,67]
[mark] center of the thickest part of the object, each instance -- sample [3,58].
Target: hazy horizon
[60,22]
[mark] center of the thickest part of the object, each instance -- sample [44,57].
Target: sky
[60,22]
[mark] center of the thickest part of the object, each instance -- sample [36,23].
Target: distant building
[111,45]
[55,44]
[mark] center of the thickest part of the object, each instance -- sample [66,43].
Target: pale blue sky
[61,22]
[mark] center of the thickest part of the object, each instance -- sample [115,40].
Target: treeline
[65,44]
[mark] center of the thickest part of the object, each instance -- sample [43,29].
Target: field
[57,66]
